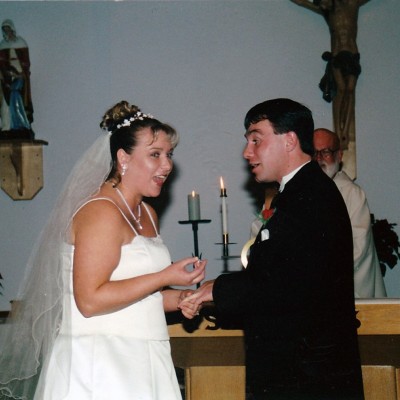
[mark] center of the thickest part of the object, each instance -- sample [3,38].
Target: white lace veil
[28,336]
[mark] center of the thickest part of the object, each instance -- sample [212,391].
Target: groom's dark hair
[285,115]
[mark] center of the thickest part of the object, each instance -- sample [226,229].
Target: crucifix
[342,70]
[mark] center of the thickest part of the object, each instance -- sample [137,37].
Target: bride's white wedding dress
[123,355]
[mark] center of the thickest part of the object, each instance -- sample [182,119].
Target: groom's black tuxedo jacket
[295,299]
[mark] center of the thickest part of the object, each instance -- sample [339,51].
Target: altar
[214,359]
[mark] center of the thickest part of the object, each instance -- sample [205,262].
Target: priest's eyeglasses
[324,153]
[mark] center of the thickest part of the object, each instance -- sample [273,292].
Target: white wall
[200,66]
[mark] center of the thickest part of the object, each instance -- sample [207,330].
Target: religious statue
[15,94]
[343,62]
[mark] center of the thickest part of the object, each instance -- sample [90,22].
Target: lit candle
[223,208]
[194,206]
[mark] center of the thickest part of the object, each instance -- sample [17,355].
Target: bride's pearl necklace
[139,209]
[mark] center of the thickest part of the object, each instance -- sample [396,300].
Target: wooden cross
[343,68]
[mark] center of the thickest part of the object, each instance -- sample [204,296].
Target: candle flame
[221,182]
[193,193]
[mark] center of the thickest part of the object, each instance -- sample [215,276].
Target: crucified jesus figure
[343,62]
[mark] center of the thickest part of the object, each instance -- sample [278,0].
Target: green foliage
[386,242]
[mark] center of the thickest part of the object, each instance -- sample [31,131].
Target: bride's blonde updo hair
[124,121]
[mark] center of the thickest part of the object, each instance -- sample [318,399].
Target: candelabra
[225,252]
[195,227]
[190,325]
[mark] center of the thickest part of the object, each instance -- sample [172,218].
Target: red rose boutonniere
[266,214]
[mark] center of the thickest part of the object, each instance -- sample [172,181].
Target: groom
[295,298]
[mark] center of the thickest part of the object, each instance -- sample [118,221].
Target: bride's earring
[124,168]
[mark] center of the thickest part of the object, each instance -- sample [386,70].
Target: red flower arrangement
[266,214]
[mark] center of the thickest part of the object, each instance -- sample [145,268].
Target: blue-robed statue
[15,95]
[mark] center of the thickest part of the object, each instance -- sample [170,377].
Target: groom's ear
[292,141]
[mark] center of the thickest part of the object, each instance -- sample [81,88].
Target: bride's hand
[189,308]
[201,295]
[181,272]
